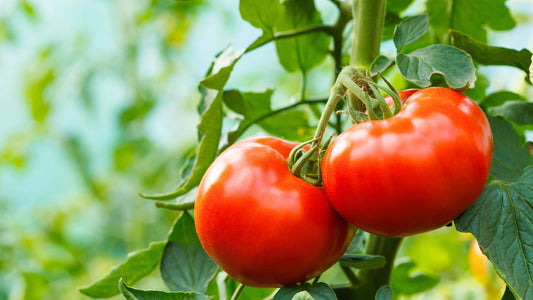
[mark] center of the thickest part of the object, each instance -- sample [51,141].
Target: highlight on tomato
[261,224]
[413,172]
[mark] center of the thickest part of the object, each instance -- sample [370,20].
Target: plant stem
[372,279]
[237,292]
[173,206]
[368,17]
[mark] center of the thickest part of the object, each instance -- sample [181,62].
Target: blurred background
[98,103]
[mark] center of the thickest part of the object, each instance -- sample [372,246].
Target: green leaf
[407,283]
[398,6]
[499,98]
[531,71]
[360,261]
[256,108]
[491,55]
[501,220]
[35,91]
[135,294]
[510,154]
[303,295]
[211,115]
[410,30]
[381,63]
[137,265]
[262,14]
[306,51]
[384,293]
[185,266]
[453,64]
[519,112]
[318,291]
[469,17]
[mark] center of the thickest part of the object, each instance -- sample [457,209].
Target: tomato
[261,224]
[413,172]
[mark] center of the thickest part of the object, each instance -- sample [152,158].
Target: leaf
[491,55]
[306,51]
[210,127]
[410,30]
[360,261]
[384,293]
[531,71]
[501,220]
[510,154]
[519,112]
[185,266]
[453,64]
[403,282]
[135,294]
[381,63]
[469,17]
[35,91]
[262,14]
[256,108]
[499,98]
[318,291]
[398,6]
[137,265]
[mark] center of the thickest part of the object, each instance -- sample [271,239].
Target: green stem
[372,279]
[173,206]
[369,17]
[237,292]
[291,33]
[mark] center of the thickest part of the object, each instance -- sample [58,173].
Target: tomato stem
[237,292]
[368,20]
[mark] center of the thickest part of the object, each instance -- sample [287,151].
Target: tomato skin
[413,172]
[261,224]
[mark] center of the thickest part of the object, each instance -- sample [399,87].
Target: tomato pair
[411,173]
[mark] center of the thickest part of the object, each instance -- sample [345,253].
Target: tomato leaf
[403,282]
[384,293]
[137,265]
[381,63]
[360,261]
[185,266]
[500,219]
[499,98]
[256,109]
[306,51]
[262,14]
[410,30]
[519,112]
[491,55]
[469,17]
[210,127]
[318,291]
[510,155]
[453,64]
[135,294]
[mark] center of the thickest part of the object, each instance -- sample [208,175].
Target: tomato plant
[416,171]
[268,212]
[261,224]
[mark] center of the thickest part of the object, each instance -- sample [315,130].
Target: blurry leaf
[453,64]
[499,98]
[137,265]
[209,129]
[137,111]
[384,293]
[318,291]
[410,30]
[306,51]
[469,17]
[491,55]
[381,63]
[510,155]
[397,6]
[28,10]
[518,112]
[406,283]
[35,286]
[479,91]
[135,294]
[185,266]
[35,87]
[360,261]
[500,219]
[16,148]
[391,20]
[256,108]
[531,70]
[358,243]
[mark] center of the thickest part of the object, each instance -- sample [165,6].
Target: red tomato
[261,224]
[413,172]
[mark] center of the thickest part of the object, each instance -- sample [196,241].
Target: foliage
[437,43]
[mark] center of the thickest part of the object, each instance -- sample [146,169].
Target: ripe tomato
[261,224]
[413,172]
